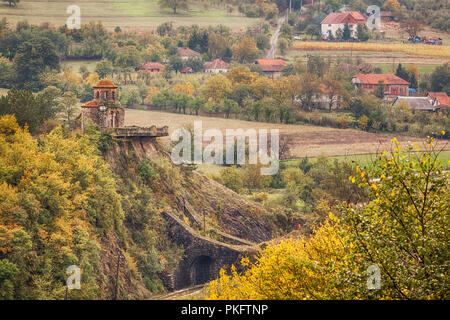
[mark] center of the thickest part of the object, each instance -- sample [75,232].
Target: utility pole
[290,6]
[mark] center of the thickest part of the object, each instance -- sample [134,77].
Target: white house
[216,66]
[337,20]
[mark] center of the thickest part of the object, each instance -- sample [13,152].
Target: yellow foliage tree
[241,75]
[92,79]
[294,269]
[216,88]
[186,88]
[151,92]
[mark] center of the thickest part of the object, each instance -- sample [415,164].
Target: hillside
[129,213]
[128,14]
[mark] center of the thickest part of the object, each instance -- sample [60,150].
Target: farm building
[337,20]
[216,66]
[417,103]
[186,70]
[271,67]
[439,98]
[387,16]
[152,67]
[394,86]
[185,53]
[105,111]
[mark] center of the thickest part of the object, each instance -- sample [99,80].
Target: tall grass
[410,49]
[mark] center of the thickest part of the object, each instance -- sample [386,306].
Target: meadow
[133,15]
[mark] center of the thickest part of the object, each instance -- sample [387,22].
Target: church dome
[105,83]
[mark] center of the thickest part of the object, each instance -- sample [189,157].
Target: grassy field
[128,14]
[305,140]
[75,65]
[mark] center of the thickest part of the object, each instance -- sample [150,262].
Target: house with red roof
[152,67]
[439,98]
[187,70]
[337,20]
[394,86]
[216,66]
[185,53]
[271,67]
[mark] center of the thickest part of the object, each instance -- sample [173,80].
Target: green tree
[68,103]
[32,58]
[440,79]
[174,4]
[104,68]
[362,32]
[379,91]
[346,34]
[403,228]
[402,72]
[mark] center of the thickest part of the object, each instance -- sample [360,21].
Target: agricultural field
[306,140]
[136,15]
[420,50]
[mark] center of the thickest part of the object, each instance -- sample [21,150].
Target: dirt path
[274,39]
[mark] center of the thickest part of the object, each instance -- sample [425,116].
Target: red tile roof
[389,79]
[186,70]
[271,62]
[91,104]
[271,65]
[105,83]
[344,17]
[216,64]
[442,97]
[152,65]
[187,52]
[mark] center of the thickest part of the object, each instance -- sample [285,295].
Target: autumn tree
[411,27]
[241,75]
[245,50]
[333,90]
[216,88]
[307,87]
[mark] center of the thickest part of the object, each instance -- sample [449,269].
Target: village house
[417,103]
[104,110]
[387,16]
[271,67]
[185,53]
[187,70]
[394,86]
[152,67]
[439,98]
[337,20]
[216,66]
